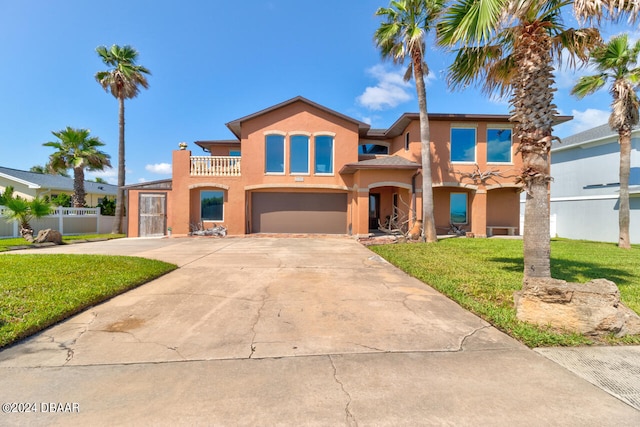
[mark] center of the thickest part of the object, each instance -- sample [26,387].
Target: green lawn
[37,291]
[482,274]
[5,244]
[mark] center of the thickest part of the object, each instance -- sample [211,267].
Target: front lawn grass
[5,244]
[37,291]
[482,275]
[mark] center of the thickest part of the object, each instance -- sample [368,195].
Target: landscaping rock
[591,308]
[49,235]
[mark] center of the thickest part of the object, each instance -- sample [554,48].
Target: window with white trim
[499,145]
[458,208]
[274,153]
[463,144]
[323,163]
[299,154]
[211,205]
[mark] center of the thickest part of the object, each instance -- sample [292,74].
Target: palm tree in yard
[510,46]
[24,211]
[616,61]
[402,35]
[123,80]
[78,151]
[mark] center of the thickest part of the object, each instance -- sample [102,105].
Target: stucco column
[361,223]
[479,213]
[178,209]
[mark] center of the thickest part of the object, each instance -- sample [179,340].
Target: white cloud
[589,118]
[159,168]
[390,91]
[583,120]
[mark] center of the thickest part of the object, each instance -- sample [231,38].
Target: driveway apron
[286,331]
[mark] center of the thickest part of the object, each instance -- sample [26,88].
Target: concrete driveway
[285,331]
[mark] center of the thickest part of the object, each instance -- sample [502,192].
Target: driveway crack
[349,417]
[252,349]
[469,335]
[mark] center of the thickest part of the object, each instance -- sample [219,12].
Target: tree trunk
[428,222]
[78,188]
[119,213]
[536,236]
[624,240]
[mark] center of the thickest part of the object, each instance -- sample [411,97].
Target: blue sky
[211,62]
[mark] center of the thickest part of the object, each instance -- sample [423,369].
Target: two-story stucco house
[299,167]
[585,191]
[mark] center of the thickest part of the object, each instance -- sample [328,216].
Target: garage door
[299,213]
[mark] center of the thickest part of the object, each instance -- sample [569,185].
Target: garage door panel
[299,213]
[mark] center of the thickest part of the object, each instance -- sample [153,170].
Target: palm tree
[23,211]
[45,170]
[78,151]
[123,80]
[510,47]
[402,35]
[617,61]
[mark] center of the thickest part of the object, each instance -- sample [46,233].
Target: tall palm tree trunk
[78,188]
[428,221]
[119,213]
[533,114]
[624,240]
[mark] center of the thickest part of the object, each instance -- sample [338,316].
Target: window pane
[458,208]
[324,154]
[211,205]
[463,145]
[499,145]
[234,153]
[372,149]
[274,153]
[299,154]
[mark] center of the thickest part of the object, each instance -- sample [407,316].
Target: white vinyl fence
[66,220]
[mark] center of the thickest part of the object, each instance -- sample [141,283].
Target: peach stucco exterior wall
[489,203]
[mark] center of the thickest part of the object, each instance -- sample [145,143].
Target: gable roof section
[390,162]
[594,136]
[54,182]
[235,125]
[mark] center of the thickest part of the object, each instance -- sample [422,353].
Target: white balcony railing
[215,166]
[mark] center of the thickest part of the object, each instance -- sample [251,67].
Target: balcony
[215,166]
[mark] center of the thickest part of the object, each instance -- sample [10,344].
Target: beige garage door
[324,213]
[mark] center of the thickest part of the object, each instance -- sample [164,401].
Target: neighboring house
[299,167]
[30,185]
[586,185]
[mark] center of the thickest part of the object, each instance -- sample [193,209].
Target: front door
[374,211]
[152,210]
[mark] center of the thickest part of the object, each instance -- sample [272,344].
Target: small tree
[23,211]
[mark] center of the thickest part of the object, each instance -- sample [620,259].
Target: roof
[390,162]
[54,182]
[205,144]
[595,136]
[235,125]
[161,184]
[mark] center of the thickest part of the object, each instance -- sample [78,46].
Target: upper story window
[234,153]
[499,145]
[373,149]
[323,154]
[406,141]
[463,144]
[299,154]
[274,153]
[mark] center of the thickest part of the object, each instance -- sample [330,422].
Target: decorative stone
[592,308]
[49,235]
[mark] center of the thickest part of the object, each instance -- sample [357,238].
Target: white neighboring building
[586,185]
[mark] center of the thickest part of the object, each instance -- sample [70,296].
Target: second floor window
[463,144]
[274,154]
[299,154]
[324,154]
[499,145]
